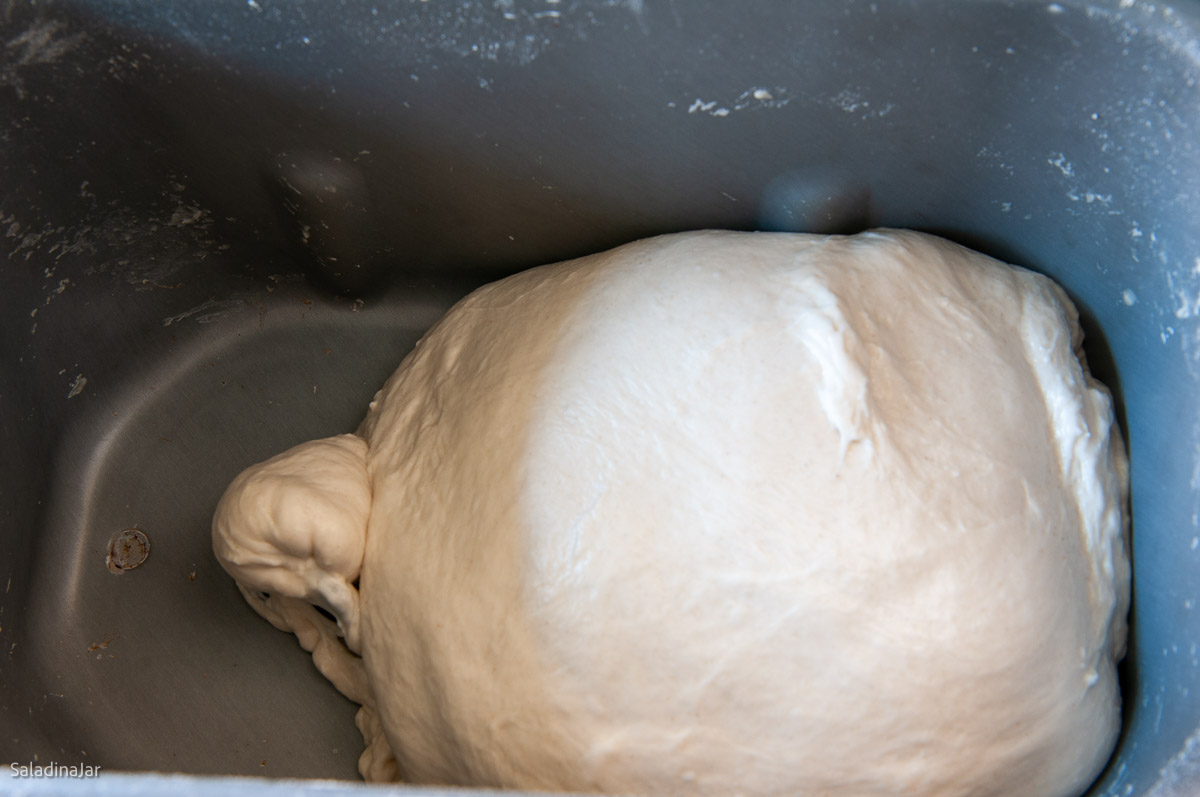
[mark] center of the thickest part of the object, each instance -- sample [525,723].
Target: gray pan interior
[223,225]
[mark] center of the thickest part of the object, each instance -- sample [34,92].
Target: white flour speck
[77,386]
[1061,163]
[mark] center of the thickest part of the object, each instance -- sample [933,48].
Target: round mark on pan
[127,550]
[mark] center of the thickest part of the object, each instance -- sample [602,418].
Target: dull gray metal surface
[224,225]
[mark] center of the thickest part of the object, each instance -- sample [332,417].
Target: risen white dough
[722,512]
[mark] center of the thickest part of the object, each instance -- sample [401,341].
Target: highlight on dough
[716,513]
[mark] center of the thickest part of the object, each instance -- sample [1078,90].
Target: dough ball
[759,513]
[295,527]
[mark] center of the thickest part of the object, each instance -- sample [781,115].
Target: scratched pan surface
[224,224]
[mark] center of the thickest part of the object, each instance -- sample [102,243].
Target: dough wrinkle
[817,321]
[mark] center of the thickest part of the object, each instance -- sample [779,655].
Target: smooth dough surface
[719,513]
